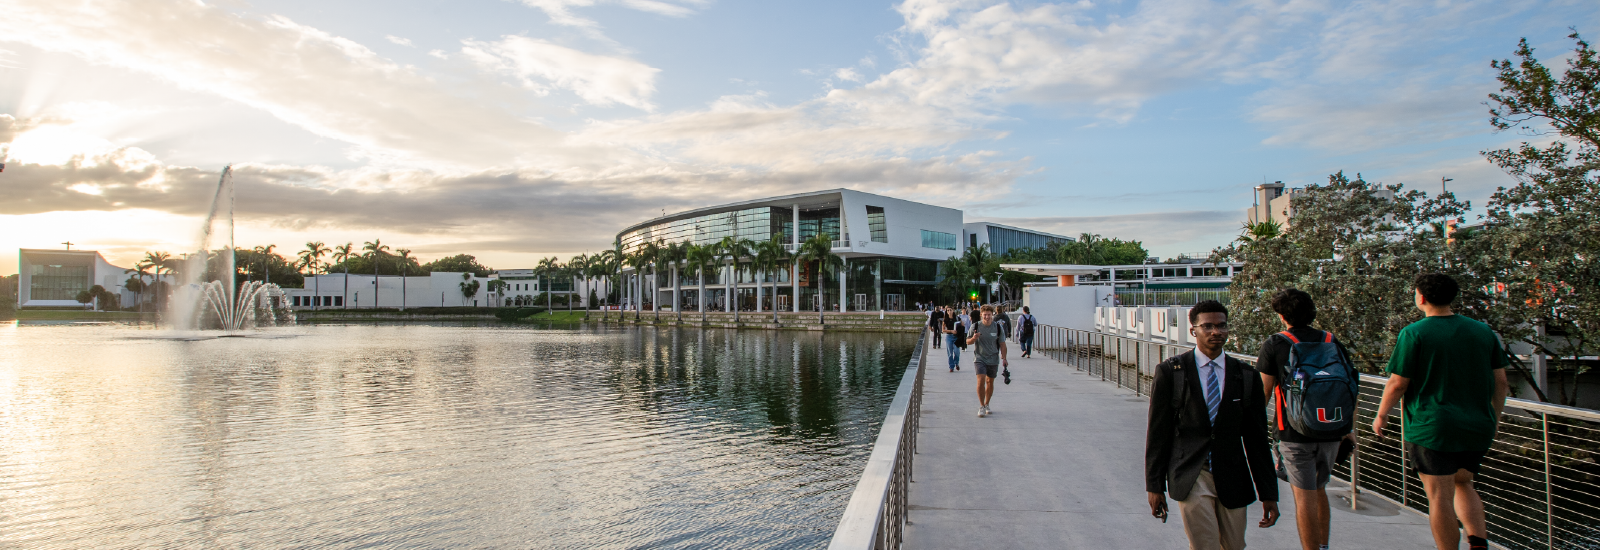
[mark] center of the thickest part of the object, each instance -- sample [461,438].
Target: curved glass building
[891,250]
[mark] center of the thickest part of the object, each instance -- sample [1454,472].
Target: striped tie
[1213,393]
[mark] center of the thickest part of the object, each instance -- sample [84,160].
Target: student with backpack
[1314,387]
[1025,326]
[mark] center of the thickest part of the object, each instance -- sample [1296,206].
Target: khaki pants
[1209,525]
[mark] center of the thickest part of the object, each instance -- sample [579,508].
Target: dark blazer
[1177,441]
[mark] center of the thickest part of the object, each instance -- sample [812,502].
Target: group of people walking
[1208,444]
[986,328]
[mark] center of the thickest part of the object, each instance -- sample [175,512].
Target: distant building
[1002,238]
[53,278]
[1274,202]
[892,250]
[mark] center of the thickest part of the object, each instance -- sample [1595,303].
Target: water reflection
[435,436]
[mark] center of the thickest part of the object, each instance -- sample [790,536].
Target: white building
[438,289]
[1001,238]
[892,249]
[53,278]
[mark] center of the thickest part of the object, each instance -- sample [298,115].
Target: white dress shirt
[1200,361]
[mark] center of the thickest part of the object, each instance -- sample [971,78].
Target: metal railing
[879,509]
[1168,297]
[1540,481]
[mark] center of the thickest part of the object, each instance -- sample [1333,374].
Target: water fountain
[202,302]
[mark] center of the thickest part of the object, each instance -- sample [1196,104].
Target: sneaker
[982,411]
[987,411]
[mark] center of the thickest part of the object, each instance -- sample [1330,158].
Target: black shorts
[1441,463]
[986,369]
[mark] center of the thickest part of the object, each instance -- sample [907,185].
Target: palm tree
[343,254]
[674,255]
[984,265]
[768,256]
[700,256]
[136,281]
[497,289]
[637,261]
[266,264]
[405,269]
[578,269]
[656,252]
[546,268]
[819,249]
[310,257]
[1270,229]
[160,262]
[375,248]
[469,287]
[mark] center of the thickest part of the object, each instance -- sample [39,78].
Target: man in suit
[1207,440]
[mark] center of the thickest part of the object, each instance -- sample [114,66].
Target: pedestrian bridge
[1060,464]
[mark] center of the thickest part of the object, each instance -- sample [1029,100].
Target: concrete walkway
[1060,464]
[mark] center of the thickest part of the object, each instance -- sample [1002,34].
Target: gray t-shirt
[988,350]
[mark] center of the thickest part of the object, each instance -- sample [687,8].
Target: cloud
[598,79]
[398,40]
[324,83]
[561,11]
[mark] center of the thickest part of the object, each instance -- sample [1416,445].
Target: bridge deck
[1060,465]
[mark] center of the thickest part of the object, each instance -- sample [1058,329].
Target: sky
[518,129]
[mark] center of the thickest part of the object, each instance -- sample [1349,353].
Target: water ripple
[434,436]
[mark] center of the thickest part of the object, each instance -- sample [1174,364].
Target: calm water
[435,436]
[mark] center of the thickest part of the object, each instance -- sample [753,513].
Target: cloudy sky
[513,130]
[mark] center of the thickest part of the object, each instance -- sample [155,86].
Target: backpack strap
[1327,337]
[1291,337]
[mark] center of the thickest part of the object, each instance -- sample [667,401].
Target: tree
[497,289]
[547,268]
[1340,251]
[637,261]
[342,254]
[376,249]
[266,271]
[652,252]
[818,250]
[983,265]
[1536,254]
[769,255]
[309,258]
[1262,230]
[578,267]
[469,286]
[405,268]
[135,282]
[701,257]
[459,263]
[160,263]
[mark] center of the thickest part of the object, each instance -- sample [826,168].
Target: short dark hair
[1295,306]
[1206,306]
[1437,288]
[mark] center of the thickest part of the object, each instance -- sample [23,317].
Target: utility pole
[69,245]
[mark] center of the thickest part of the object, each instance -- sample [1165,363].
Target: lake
[435,435]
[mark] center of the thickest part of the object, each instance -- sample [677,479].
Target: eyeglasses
[1214,327]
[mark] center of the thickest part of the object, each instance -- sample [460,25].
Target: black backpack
[1317,389]
[1027,325]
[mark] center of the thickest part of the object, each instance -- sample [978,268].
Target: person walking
[1025,326]
[1308,458]
[1451,371]
[989,356]
[1004,321]
[1206,442]
[952,330]
[936,324]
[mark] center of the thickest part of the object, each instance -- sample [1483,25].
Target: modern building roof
[784,201]
[1053,269]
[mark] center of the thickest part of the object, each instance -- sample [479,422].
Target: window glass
[877,224]
[938,240]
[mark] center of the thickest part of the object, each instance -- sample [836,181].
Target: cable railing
[1158,298]
[1540,481]
[879,508]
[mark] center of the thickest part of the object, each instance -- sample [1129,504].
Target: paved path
[1060,464]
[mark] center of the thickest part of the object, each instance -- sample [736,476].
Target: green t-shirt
[1450,361]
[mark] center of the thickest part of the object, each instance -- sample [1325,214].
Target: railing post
[1405,500]
[1549,510]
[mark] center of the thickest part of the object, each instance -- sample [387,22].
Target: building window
[972,240]
[58,282]
[877,225]
[941,241]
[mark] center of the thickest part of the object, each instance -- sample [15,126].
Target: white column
[844,297]
[794,278]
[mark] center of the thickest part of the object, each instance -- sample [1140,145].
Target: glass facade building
[1002,239]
